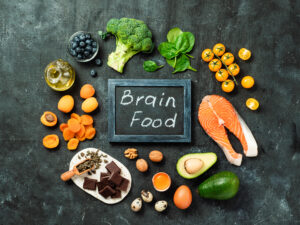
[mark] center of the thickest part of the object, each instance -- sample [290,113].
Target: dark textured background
[33,33]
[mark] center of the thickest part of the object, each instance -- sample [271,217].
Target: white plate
[78,180]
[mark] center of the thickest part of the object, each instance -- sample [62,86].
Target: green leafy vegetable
[176,49]
[151,66]
[173,34]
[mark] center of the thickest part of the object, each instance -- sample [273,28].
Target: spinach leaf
[168,50]
[185,42]
[173,34]
[151,66]
[182,64]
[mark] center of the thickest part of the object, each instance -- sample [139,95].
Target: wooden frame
[113,83]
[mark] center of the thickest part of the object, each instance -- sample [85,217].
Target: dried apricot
[76,116]
[87,120]
[49,119]
[89,105]
[73,144]
[63,126]
[66,104]
[51,141]
[74,125]
[87,91]
[90,133]
[68,134]
[81,132]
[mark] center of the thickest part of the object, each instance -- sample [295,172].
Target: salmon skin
[215,113]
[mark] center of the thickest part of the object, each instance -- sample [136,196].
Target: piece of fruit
[49,119]
[221,186]
[68,134]
[252,103]
[193,165]
[74,125]
[214,65]
[227,58]
[87,120]
[244,54]
[89,105]
[247,82]
[93,73]
[73,144]
[207,55]
[221,75]
[76,116]
[183,197]
[234,69]
[66,104]
[63,126]
[219,49]
[51,141]
[87,91]
[228,86]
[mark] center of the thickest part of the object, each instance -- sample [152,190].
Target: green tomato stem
[227,70]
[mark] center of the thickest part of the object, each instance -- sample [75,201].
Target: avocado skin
[221,186]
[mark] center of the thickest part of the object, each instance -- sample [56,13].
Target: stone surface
[33,33]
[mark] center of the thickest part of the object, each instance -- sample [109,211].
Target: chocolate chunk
[105,182]
[116,178]
[117,194]
[104,175]
[107,191]
[89,184]
[124,184]
[112,167]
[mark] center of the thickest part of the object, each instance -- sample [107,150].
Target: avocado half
[208,160]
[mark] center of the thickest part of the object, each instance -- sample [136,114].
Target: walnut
[131,153]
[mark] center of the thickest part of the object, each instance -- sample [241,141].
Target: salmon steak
[215,113]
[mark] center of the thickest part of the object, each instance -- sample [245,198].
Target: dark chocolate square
[112,167]
[104,175]
[116,178]
[124,184]
[89,183]
[105,182]
[107,191]
[117,194]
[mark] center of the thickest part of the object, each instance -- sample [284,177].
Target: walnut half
[131,153]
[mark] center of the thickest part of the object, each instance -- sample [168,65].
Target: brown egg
[183,197]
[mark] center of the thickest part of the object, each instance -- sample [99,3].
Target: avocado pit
[193,165]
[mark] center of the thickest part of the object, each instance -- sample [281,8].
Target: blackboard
[149,110]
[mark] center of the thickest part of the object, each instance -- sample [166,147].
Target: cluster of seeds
[96,159]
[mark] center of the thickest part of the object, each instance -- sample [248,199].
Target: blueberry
[86,53]
[94,44]
[73,52]
[88,42]
[88,36]
[78,49]
[98,62]
[88,48]
[93,73]
[79,56]
[82,44]
[82,37]
[94,50]
[74,45]
[76,39]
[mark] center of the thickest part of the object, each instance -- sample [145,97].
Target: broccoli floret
[132,36]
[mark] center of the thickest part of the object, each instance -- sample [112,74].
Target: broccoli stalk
[120,56]
[132,36]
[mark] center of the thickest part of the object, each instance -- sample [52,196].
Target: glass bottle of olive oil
[59,75]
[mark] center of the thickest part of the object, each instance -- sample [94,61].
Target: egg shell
[183,197]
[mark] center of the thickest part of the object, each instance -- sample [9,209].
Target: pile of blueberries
[83,46]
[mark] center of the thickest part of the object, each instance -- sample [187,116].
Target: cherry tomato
[219,49]
[247,82]
[234,69]
[228,86]
[227,58]
[252,103]
[207,55]
[244,54]
[221,75]
[214,65]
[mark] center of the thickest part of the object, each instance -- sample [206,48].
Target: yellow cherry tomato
[252,103]
[227,58]
[214,65]
[247,82]
[219,49]
[207,55]
[228,86]
[221,75]
[234,69]
[244,54]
